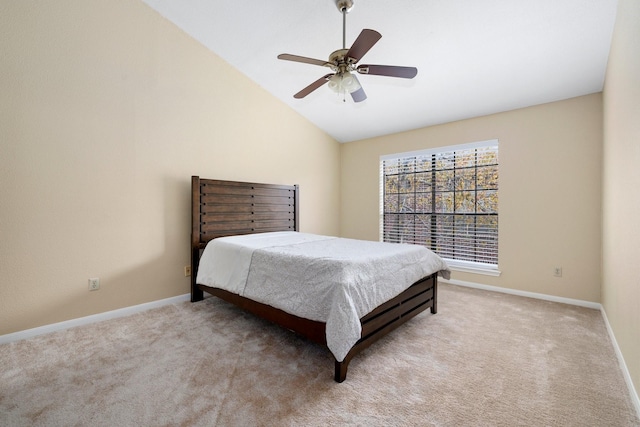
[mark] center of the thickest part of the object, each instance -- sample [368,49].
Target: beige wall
[621,187]
[106,110]
[549,200]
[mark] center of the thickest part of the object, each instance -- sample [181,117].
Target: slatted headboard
[225,208]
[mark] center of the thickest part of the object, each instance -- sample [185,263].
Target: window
[445,199]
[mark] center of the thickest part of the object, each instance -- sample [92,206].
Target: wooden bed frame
[224,208]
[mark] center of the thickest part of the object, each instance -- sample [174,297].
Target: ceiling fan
[343,63]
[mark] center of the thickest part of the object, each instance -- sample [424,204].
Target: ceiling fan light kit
[345,82]
[343,63]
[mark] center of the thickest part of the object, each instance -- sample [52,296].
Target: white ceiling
[474,57]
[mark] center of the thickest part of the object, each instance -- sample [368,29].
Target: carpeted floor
[486,359]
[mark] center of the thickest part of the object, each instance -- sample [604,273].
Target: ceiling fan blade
[363,43]
[313,86]
[388,70]
[296,58]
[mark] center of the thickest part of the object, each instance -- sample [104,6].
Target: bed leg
[434,306]
[196,293]
[341,371]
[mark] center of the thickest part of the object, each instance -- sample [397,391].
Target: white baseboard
[29,333]
[623,366]
[581,303]
[625,372]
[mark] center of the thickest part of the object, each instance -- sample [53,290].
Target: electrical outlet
[187,270]
[94,284]
[557,271]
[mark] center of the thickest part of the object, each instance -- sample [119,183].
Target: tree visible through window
[446,200]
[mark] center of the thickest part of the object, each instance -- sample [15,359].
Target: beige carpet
[486,359]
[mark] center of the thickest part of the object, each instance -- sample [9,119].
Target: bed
[225,214]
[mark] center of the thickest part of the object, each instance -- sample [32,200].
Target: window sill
[476,268]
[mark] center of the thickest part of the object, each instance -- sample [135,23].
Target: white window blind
[445,199]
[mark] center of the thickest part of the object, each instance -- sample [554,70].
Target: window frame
[454,264]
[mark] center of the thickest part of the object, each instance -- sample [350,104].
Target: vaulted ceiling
[474,57]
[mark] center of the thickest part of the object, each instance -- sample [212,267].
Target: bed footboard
[390,315]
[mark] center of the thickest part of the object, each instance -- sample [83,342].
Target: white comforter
[322,278]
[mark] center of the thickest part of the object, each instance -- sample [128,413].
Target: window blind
[445,199]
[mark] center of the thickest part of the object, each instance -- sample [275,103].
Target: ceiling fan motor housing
[344,5]
[338,58]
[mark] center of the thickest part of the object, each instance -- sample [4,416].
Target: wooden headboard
[225,208]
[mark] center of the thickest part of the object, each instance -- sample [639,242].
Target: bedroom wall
[550,192]
[621,184]
[106,112]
